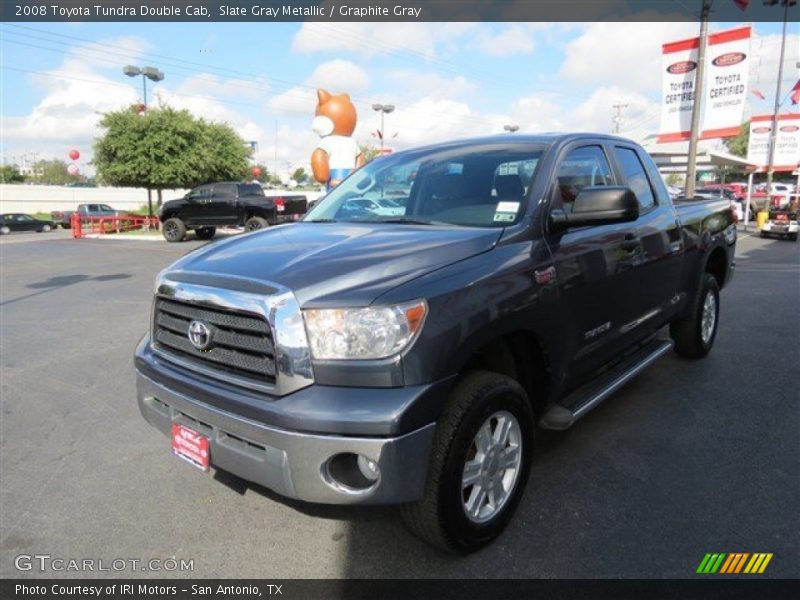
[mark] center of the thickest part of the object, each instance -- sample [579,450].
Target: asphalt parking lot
[690,458]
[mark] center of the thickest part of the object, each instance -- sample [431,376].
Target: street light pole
[773,135]
[384,109]
[152,74]
[691,171]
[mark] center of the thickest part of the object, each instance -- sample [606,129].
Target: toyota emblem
[200,335]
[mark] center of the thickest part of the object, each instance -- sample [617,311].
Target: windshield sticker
[504,217]
[507,207]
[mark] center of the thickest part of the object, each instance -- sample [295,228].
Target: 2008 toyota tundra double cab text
[357,358]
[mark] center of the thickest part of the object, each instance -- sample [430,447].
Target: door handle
[631,242]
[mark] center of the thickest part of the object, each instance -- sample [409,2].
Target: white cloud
[339,75]
[208,83]
[428,83]
[516,39]
[625,54]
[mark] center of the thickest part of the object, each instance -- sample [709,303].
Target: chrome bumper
[291,463]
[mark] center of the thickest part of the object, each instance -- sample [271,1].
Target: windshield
[475,186]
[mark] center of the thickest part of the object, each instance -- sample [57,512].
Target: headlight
[363,333]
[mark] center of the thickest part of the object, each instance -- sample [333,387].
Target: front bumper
[291,462]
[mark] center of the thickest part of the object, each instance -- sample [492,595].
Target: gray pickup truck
[360,358]
[64,217]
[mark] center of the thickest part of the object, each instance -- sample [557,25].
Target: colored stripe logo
[734,562]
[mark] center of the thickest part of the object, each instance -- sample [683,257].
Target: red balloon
[74,154]
[256,171]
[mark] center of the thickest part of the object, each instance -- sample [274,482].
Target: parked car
[213,205]
[781,223]
[378,206]
[64,217]
[23,222]
[369,359]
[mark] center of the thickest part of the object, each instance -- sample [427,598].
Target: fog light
[368,467]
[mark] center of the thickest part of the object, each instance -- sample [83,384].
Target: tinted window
[634,173]
[583,167]
[106,207]
[249,188]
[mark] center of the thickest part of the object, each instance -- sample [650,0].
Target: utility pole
[691,171]
[773,135]
[617,119]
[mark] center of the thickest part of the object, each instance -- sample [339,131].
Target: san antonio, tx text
[130,589]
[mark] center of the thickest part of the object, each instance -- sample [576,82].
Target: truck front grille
[241,345]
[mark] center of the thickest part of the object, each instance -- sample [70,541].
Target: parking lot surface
[690,458]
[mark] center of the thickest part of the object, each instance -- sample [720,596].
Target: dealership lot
[690,458]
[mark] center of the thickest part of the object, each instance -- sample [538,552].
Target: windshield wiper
[406,221]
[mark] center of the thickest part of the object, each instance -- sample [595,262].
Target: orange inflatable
[337,154]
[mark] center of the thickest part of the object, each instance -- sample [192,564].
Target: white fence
[46,198]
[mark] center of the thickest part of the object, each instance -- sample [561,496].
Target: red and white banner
[679,62]
[727,66]
[787,142]
[725,93]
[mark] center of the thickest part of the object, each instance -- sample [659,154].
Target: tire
[692,338]
[762,234]
[45,229]
[793,237]
[5,230]
[255,223]
[174,230]
[205,233]
[440,517]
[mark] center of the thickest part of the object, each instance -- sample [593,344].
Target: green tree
[299,175]
[369,152]
[53,172]
[166,148]
[737,145]
[10,174]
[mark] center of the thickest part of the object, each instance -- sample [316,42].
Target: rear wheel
[255,223]
[205,233]
[793,237]
[45,228]
[694,335]
[479,464]
[173,230]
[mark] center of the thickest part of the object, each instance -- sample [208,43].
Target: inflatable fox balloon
[337,154]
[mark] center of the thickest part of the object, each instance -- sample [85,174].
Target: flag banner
[725,92]
[679,62]
[795,95]
[787,142]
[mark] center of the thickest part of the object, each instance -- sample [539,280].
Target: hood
[344,264]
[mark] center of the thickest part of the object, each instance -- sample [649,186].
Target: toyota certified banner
[679,63]
[725,94]
[787,142]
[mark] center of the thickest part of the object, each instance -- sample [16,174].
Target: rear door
[656,257]
[593,268]
[220,208]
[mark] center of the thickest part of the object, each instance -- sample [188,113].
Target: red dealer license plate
[191,446]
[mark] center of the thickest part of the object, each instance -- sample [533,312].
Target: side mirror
[598,206]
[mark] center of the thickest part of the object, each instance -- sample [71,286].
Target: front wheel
[480,462]
[4,230]
[793,237]
[205,233]
[45,229]
[694,335]
[255,223]
[173,230]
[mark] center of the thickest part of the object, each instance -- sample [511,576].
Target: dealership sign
[727,63]
[787,142]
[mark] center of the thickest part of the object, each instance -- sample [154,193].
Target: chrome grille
[242,343]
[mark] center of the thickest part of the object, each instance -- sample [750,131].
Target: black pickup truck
[408,359]
[213,205]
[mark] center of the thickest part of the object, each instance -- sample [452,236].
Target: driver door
[593,267]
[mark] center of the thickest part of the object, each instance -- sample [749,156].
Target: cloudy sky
[447,80]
